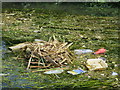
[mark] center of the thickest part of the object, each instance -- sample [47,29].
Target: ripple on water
[4,84]
[17,82]
[3,48]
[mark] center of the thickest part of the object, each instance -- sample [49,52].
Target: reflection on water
[12,73]
[3,48]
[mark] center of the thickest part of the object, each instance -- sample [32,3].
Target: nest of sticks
[51,54]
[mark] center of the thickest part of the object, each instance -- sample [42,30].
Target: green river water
[85,31]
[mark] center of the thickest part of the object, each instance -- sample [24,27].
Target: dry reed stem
[51,53]
[30,59]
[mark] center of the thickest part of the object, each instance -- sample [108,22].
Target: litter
[2,74]
[37,31]
[89,76]
[11,14]
[38,40]
[102,74]
[114,73]
[116,65]
[72,72]
[53,72]
[44,70]
[18,47]
[100,51]
[82,51]
[96,64]
[75,72]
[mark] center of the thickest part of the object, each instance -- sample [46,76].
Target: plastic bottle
[82,51]
[53,72]
[100,51]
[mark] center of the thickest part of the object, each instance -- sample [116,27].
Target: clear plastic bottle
[82,51]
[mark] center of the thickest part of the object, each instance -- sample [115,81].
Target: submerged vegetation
[86,27]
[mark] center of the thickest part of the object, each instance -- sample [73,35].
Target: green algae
[86,32]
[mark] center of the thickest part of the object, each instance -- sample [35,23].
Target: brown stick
[50,60]
[29,62]
[31,58]
[39,66]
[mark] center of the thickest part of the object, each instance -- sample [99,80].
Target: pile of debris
[43,54]
[52,54]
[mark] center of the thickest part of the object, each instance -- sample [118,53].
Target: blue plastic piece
[79,71]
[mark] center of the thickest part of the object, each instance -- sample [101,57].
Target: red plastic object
[100,51]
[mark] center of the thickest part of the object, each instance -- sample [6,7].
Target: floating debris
[82,51]
[102,74]
[11,14]
[43,54]
[38,40]
[37,31]
[53,72]
[114,73]
[100,51]
[18,47]
[2,74]
[44,70]
[75,72]
[96,64]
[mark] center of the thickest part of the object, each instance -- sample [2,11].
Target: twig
[57,76]
[31,58]
[29,62]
